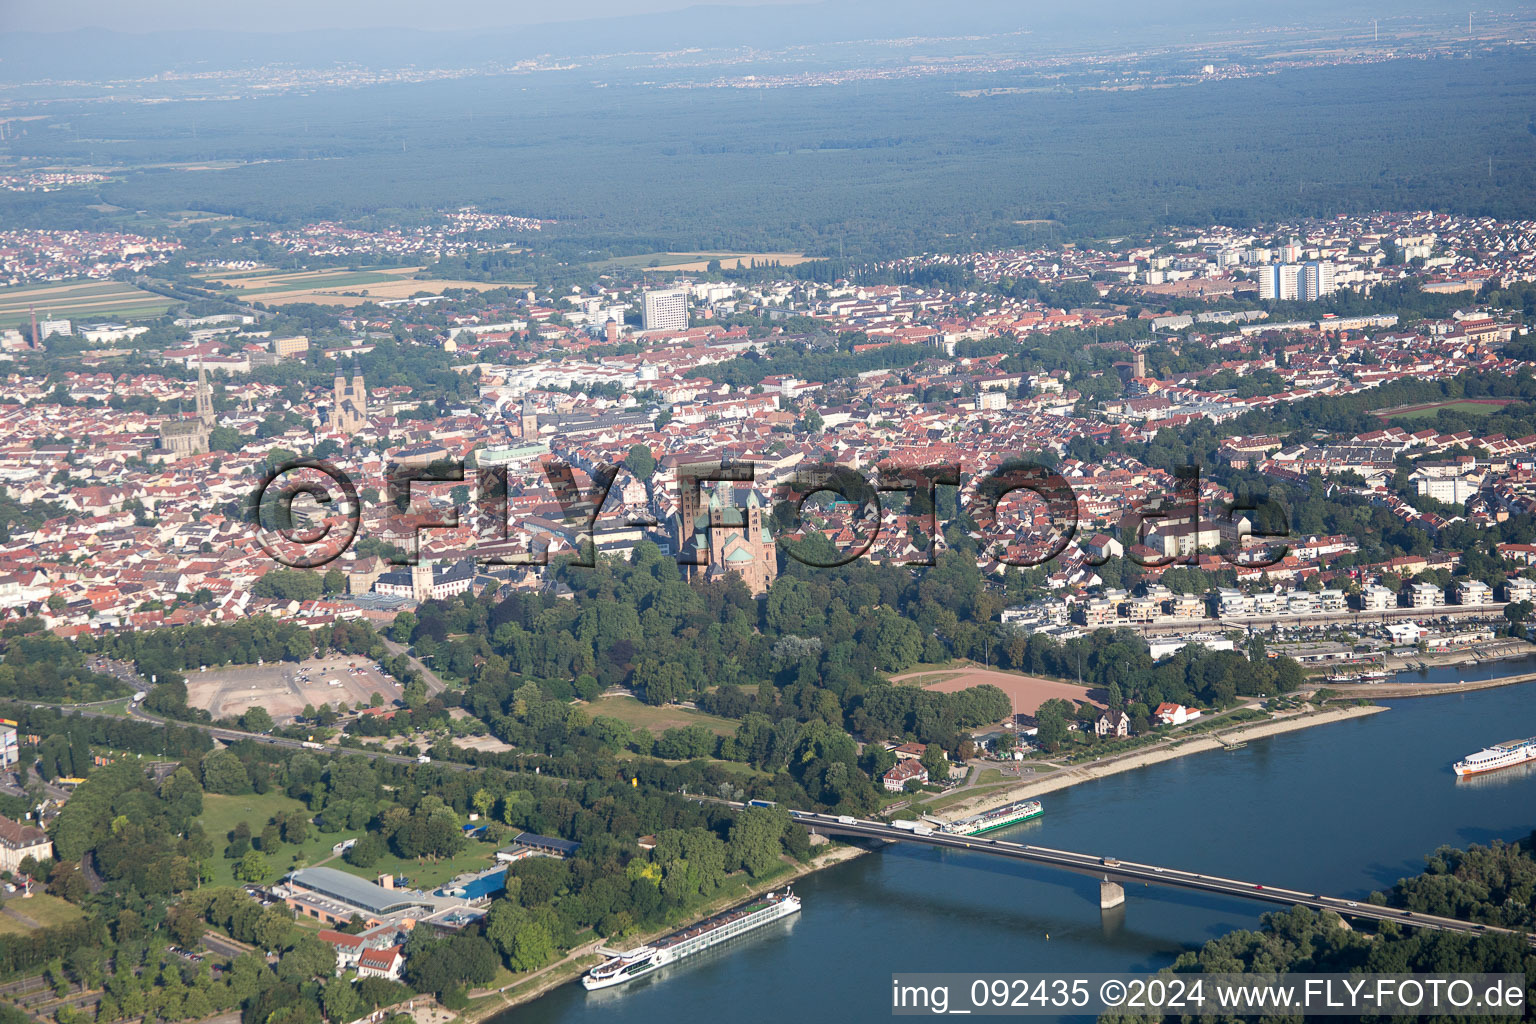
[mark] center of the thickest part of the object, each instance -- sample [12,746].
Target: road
[434,683]
[1110,869]
[135,711]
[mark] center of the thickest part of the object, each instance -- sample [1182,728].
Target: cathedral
[349,410]
[718,537]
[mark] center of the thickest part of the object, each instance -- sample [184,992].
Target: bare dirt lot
[1028,692]
[285,687]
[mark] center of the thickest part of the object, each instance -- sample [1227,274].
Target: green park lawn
[39,911]
[222,813]
[658,720]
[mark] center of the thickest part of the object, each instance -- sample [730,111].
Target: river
[1341,810]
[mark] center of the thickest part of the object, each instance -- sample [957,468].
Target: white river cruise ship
[1500,755]
[639,962]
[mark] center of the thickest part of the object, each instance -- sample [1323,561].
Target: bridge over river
[1113,873]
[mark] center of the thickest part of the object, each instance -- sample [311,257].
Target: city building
[1376,598]
[10,749]
[381,963]
[1113,723]
[18,842]
[1473,592]
[333,896]
[666,310]
[1519,588]
[283,348]
[528,421]
[47,328]
[1425,595]
[427,580]
[532,842]
[1315,280]
[904,772]
[1175,714]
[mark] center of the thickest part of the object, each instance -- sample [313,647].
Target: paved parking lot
[286,687]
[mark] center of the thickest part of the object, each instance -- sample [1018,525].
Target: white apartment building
[1376,598]
[1473,592]
[1426,595]
[666,310]
[1518,588]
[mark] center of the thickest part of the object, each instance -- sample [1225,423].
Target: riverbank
[1503,649]
[579,960]
[1215,740]
[1394,690]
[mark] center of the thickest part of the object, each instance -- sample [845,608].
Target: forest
[891,168]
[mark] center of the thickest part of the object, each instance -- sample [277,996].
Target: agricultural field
[333,287]
[80,300]
[20,916]
[658,720]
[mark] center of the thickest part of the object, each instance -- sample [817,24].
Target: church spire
[205,411]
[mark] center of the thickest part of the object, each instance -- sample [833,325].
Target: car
[1258,887]
[1350,903]
[1158,870]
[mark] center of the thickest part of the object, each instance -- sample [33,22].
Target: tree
[1051,719]
[223,772]
[253,868]
[640,462]
[532,947]
[256,719]
[340,1001]
[936,762]
[756,839]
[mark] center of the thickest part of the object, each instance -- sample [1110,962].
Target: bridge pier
[1111,894]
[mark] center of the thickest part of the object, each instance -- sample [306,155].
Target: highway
[1119,872]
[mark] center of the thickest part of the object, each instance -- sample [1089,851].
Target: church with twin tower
[716,537]
[349,407]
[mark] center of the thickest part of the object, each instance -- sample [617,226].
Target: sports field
[1474,406]
[336,287]
[1027,692]
[105,300]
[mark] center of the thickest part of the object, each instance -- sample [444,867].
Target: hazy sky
[298,15]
